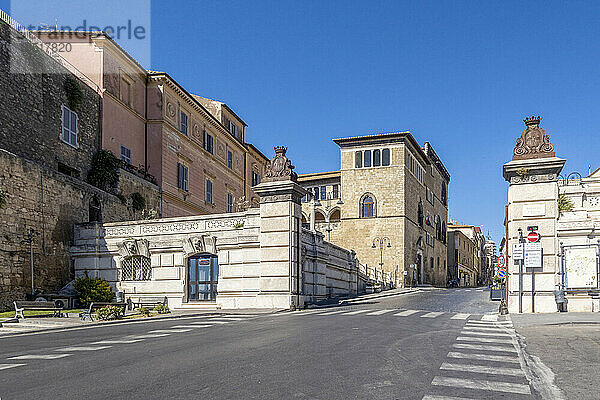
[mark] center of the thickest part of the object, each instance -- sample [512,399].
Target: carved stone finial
[280,168]
[533,143]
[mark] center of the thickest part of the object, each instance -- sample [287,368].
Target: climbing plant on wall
[74,93]
[104,173]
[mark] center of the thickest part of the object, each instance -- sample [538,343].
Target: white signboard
[534,210]
[517,251]
[533,255]
[580,268]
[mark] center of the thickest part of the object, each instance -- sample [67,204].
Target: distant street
[408,346]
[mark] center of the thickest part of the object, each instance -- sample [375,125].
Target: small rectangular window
[209,191]
[182,177]
[358,159]
[69,126]
[323,194]
[229,160]
[255,178]
[229,202]
[376,158]
[367,158]
[385,157]
[208,142]
[336,191]
[316,191]
[183,126]
[125,154]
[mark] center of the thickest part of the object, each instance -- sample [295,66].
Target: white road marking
[490,317]
[486,329]
[190,326]
[490,323]
[39,357]
[331,312]
[431,315]
[484,347]
[356,312]
[7,366]
[482,385]
[433,397]
[483,357]
[482,369]
[484,339]
[406,313]
[83,348]
[380,312]
[227,319]
[460,316]
[469,332]
[212,321]
[118,341]
[150,336]
[169,330]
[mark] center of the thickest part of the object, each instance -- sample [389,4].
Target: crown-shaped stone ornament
[533,143]
[280,168]
[532,121]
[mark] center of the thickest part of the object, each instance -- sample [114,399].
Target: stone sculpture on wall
[199,244]
[280,168]
[134,247]
[533,143]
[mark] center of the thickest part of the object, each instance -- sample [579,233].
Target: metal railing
[33,39]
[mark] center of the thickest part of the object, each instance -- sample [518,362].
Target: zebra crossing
[484,362]
[177,327]
[346,312]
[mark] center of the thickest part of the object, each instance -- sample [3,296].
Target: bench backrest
[35,304]
[149,299]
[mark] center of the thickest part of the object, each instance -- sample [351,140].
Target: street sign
[533,237]
[532,228]
[533,255]
[518,251]
[501,260]
[501,273]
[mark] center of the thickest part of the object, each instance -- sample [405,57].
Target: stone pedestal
[280,226]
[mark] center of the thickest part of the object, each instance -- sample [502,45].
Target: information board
[581,268]
[533,255]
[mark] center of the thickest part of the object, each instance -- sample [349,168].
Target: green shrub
[143,311]
[162,309]
[104,173]
[74,93]
[92,289]
[109,313]
[564,203]
[138,201]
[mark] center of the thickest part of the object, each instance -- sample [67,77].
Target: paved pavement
[419,345]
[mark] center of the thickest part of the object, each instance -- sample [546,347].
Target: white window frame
[68,130]
[126,158]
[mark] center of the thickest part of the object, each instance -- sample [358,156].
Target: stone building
[195,147]
[388,202]
[474,271]
[258,258]
[49,134]
[462,256]
[565,211]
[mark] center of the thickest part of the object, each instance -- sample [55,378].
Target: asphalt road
[411,346]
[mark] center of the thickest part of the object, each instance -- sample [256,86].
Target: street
[418,345]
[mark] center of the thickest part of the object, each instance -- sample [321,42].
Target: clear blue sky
[461,75]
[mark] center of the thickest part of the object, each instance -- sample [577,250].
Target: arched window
[376,158]
[335,215]
[367,206]
[319,216]
[443,232]
[420,214]
[95,210]
[444,194]
[136,268]
[385,157]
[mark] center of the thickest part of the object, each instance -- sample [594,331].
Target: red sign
[533,237]
[501,260]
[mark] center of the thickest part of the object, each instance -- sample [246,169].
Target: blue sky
[461,75]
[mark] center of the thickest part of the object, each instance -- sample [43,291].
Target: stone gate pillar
[280,235]
[533,202]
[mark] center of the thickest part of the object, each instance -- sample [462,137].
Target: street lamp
[29,239]
[381,241]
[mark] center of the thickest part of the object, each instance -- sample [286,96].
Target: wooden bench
[147,301]
[87,313]
[21,306]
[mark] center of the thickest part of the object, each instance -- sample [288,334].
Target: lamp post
[381,241]
[29,239]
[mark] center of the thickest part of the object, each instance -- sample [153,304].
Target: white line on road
[118,341]
[482,369]
[406,313]
[484,339]
[39,357]
[460,316]
[380,312]
[483,347]
[479,290]
[190,326]
[490,323]
[430,397]
[169,330]
[431,315]
[228,319]
[355,312]
[7,366]
[490,317]
[482,385]
[331,312]
[150,336]
[483,357]
[486,329]
[469,332]
[83,348]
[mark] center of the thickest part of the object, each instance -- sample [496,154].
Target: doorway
[202,277]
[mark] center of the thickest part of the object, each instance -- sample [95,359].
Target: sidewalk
[44,324]
[567,343]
